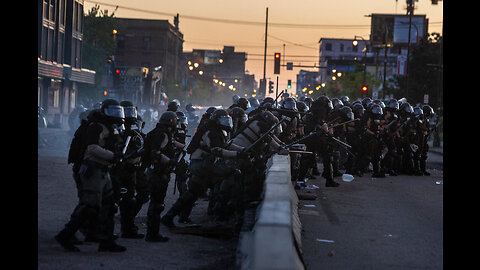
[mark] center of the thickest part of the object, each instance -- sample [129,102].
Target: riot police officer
[159,148]
[97,196]
[126,171]
[208,144]
[239,118]
[316,120]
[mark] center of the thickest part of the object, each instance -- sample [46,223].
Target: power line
[252,23]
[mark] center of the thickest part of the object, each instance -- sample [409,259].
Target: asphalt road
[375,223]
[56,201]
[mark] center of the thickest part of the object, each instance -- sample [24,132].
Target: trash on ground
[439,182]
[347,177]
[325,240]
[309,205]
[311,187]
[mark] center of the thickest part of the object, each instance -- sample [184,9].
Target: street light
[355,43]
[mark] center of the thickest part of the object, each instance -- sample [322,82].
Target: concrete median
[275,240]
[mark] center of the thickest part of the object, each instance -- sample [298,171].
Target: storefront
[57,90]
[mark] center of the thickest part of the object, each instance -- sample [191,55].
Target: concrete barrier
[275,240]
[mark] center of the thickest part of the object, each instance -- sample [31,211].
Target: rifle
[287,111]
[347,146]
[346,122]
[267,133]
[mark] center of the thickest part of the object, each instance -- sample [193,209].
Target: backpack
[78,144]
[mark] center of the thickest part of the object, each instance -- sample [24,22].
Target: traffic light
[276,66]
[289,84]
[270,87]
[364,88]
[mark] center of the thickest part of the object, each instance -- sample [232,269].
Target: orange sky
[338,19]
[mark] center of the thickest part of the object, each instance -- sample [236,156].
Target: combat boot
[331,183]
[66,242]
[110,246]
[167,220]
[156,238]
[131,232]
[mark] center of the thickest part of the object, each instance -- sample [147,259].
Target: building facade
[339,54]
[226,66]
[380,60]
[153,44]
[60,34]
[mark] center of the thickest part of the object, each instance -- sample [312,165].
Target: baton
[267,133]
[125,147]
[126,144]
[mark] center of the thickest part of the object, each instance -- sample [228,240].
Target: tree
[425,71]
[97,46]
[349,84]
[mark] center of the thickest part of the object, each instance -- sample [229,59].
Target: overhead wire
[253,23]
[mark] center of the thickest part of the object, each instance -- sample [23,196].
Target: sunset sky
[304,23]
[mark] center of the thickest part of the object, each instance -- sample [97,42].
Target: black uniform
[97,195]
[207,164]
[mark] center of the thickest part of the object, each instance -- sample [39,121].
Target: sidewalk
[438,150]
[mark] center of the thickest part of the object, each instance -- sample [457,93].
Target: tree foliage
[425,71]
[97,45]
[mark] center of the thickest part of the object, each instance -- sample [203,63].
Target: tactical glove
[243,155]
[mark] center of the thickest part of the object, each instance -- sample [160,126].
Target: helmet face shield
[114,111]
[130,112]
[226,122]
[290,105]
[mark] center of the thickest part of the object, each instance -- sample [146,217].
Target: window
[341,47]
[355,48]
[146,43]
[62,12]
[328,46]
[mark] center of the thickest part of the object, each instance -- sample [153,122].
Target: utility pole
[410,8]
[265,51]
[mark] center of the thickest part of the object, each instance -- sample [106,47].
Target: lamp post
[355,43]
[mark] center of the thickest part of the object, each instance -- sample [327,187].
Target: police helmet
[222,119]
[173,105]
[428,111]
[243,103]
[376,110]
[366,101]
[406,108]
[254,102]
[345,100]
[182,120]
[238,113]
[235,99]
[289,104]
[302,107]
[129,109]
[417,111]
[393,105]
[112,109]
[308,101]
[347,113]
[379,102]
[168,119]
[337,103]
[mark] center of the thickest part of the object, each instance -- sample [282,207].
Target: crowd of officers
[118,167]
